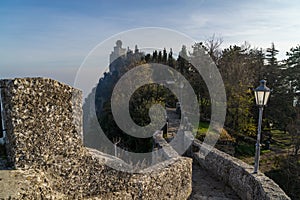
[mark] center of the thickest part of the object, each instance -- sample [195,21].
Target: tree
[239,69]
[280,99]
[293,68]
[212,46]
[271,70]
[171,60]
[271,55]
[154,56]
[165,56]
[182,61]
[294,130]
[159,58]
[289,86]
[197,81]
[285,89]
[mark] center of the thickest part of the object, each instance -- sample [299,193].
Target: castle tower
[118,51]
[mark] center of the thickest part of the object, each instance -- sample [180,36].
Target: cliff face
[44,145]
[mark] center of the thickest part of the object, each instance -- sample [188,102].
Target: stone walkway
[174,122]
[205,185]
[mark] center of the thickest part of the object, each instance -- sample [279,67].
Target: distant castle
[119,53]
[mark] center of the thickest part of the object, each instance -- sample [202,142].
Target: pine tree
[165,56]
[293,68]
[271,55]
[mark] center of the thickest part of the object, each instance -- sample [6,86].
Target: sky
[52,38]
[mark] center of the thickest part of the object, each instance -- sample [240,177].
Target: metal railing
[2,120]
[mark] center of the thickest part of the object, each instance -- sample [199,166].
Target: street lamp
[262,94]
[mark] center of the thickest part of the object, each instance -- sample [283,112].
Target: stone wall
[237,174]
[44,145]
[168,151]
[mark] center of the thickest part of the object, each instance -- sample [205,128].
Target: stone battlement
[43,120]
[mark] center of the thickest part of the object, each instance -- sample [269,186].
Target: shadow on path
[205,186]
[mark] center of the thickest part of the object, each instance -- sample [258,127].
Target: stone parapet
[237,174]
[44,145]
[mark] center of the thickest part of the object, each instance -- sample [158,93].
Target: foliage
[239,67]
[244,149]
[287,176]
[280,104]
[140,102]
[294,131]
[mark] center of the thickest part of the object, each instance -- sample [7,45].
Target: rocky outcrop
[44,144]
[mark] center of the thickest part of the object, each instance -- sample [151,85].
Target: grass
[264,151]
[202,132]
[281,140]
[243,150]
[279,147]
[203,127]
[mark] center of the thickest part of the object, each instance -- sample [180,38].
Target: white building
[118,51]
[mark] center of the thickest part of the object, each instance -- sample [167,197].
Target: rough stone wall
[44,134]
[237,174]
[161,143]
[43,120]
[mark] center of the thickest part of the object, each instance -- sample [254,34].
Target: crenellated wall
[237,174]
[44,145]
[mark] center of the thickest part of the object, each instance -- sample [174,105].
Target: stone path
[174,122]
[205,185]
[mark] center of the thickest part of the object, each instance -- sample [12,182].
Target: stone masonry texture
[237,174]
[44,146]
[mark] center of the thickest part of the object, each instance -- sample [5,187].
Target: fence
[2,121]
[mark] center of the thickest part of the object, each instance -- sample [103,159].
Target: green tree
[239,67]
[294,130]
[164,56]
[271,55]
[171,60]
[198,82]
[182,61]
[285,89]
[280,108]
[293,68]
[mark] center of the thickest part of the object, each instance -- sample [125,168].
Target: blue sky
[52,38]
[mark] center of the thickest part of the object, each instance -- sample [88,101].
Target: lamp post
[262,94]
